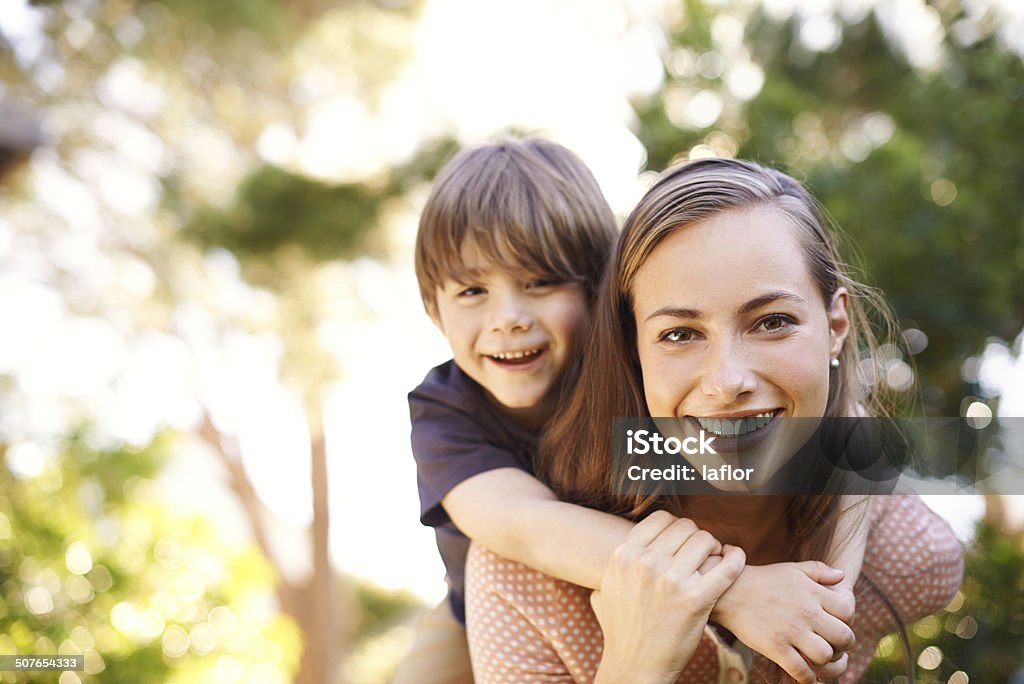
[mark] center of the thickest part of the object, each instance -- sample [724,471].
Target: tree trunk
[320,659]
[312,603]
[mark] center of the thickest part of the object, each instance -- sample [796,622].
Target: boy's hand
[794,615]
[653,603]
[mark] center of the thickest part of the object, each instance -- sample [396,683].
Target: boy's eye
[544,282]
[775,323]
[677,336]
[471,291]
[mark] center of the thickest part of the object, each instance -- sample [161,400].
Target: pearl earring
[834,363]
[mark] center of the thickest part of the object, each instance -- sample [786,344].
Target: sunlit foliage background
[182,231]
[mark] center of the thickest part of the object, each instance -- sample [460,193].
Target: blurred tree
[903,134]
[92,563]
[159,114]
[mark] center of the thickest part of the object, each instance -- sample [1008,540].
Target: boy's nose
[728,374]
[511,315]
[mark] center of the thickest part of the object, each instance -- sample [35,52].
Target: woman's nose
[728,375]
[511,313]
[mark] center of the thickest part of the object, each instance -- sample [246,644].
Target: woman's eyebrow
[676,312]
[768,298]
[752,305]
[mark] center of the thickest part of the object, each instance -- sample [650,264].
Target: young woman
[726,304]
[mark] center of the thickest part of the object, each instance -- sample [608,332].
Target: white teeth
[516,354]
[736,427]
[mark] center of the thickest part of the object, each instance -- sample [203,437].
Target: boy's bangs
[522,253]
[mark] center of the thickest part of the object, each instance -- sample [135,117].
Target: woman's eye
[677,336]
[775,323]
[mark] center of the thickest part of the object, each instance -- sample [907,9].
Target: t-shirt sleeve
[450,445]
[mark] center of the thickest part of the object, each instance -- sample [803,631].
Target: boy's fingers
[822,573]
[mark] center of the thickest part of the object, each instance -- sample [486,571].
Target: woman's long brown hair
[575,453]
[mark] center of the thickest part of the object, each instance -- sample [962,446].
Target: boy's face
[513,333]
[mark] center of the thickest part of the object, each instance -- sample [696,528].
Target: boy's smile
[516,358]
[513,333]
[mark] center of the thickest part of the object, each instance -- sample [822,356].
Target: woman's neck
[757,524]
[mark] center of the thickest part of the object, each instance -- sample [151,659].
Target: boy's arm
[473,474]
[512,513]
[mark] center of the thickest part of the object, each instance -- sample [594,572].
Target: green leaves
[920,168]
[275,208]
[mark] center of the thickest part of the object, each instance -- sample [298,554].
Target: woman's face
[732,331]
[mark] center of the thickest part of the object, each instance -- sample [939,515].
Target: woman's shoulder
[518,583]
[913,556]
[907,531]
[522,621]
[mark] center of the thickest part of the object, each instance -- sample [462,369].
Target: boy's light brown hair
[529,205]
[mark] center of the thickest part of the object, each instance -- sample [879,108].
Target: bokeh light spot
[79,590]
[930,658]
[124,618]
[943,191]
[203,638]
[38,601]
[78,558]
[967,627]
[979,415]
[175,642]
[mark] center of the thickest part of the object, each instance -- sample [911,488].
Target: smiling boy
[510,249]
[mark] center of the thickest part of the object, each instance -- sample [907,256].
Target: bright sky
[565,69]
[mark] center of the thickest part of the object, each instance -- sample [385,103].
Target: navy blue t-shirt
[458,433]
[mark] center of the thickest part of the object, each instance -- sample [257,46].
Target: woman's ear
[838,321]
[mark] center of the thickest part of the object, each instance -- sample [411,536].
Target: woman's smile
[737,426]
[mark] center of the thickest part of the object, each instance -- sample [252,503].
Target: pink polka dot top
[525,626]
